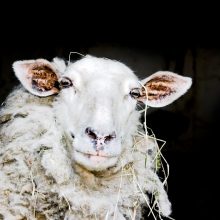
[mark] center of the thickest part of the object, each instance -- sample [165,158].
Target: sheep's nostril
[91,133]
[72,135]
[110,137]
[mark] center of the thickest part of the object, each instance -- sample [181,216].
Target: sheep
[69,143]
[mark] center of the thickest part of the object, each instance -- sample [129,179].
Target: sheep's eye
[65,82]
[135,93]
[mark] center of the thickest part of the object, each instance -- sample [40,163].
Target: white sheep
[69,139]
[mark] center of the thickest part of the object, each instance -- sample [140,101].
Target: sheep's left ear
[40,77]
[163,87]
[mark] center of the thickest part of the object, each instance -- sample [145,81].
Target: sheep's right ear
[40,77]
[163,87]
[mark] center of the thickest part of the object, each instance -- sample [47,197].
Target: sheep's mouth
[95,162]
[95,155]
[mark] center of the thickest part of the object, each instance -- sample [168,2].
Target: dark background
[184,40]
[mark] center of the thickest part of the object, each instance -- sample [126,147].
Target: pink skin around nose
[99,141]
[100,156]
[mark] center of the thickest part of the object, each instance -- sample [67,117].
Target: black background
[45,31]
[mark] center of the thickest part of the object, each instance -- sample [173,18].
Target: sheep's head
[97,102]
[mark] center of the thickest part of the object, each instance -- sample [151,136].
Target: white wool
[41,176]
[35,163]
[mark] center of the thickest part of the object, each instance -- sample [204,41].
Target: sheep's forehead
[91,69]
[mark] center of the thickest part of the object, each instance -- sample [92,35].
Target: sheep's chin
[94,163]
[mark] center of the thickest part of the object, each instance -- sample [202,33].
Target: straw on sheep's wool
[38,180]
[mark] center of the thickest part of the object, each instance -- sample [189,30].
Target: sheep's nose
[94,135]
[91,133]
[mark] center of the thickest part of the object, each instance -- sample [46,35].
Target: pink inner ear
[43,78]
[160,87]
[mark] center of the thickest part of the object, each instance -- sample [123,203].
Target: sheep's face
[96,102]
[98,108]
